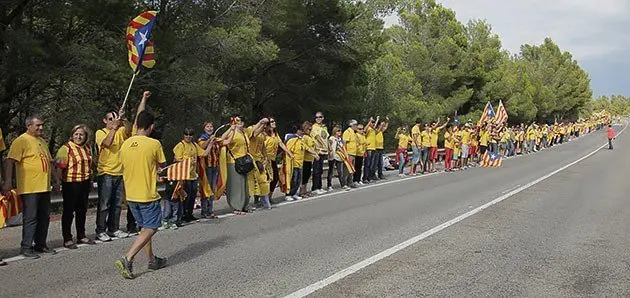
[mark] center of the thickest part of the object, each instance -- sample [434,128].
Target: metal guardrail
[56,198]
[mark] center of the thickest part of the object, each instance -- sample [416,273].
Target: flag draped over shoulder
[140,48]
[180,170]
[491,160]
[502,115]
[222,177]
[488,114]
[10,206]
[286,172]
[341,150]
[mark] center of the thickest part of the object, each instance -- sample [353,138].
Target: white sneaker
[289,198]
[104,237]
[320,192]
[361,183]
[119,234]
[296,197]
[331,188]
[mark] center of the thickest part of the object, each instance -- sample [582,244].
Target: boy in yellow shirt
[141,157]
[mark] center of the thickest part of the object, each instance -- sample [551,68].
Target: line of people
[242,163]
[466,143]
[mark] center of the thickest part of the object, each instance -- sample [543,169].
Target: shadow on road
[197,249]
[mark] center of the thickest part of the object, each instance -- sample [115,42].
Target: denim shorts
[147,215]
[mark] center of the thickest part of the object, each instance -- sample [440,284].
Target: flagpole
[128,90]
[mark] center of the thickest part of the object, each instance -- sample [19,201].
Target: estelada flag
[286,172]
[180,170]
[140,48]
[488,114]
[222,179]
[10,206]
[491,159]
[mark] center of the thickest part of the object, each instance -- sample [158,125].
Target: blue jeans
[379,164]
[111,190]
[425,158]
[367,166]
[207,206]
[296,180]
[401,163]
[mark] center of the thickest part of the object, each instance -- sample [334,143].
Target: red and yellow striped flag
[180,170]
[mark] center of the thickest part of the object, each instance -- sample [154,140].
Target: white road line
[388,252]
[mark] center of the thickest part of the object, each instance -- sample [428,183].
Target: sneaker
[360,183]
[45,250]
[104,237]
[157,263]
[401,175]
[165,226]
[125,267]
[118,234]
[331,188]
[29,254]
[173,227]
[289,198]
[296,197]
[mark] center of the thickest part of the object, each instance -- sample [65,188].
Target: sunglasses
[188,134]
[110,119]
[272,121]
[319,117]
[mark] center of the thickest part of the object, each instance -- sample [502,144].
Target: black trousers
[35,219]
[275,179]
[75,202]
[358,168]
[318,171]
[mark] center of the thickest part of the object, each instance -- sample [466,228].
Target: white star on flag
[143,36]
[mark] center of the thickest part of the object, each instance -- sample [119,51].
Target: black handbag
[244,164]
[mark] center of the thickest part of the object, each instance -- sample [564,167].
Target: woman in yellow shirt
[448,148]
[238,192]
[307,166]
[402,151]
[361,150]
[272,143]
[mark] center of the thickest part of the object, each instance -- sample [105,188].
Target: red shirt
[611,133]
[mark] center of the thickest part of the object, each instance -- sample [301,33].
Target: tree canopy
[286,58]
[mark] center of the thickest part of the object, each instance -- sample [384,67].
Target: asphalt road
[564,236]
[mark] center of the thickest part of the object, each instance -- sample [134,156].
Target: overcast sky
[596,32]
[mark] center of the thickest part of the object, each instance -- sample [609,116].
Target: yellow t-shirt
[140,156]
[33,164]
[297,146]
[321,142]
[362,146]
[403,141]
[310,144]
[3,146]
[466,136]
[415,135]
[531,134]
[238,146]
[256,144]
[379,140]
[425,139]
[434,136]
[370,137]
[271,146]
[447,140]
[484,137]
[350,137]
[474,140]
[191,150]
[109,158]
